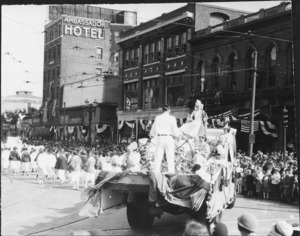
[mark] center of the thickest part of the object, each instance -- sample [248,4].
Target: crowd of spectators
[268,176]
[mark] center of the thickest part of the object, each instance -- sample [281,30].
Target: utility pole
[252,135]
[285,125]
[64,124]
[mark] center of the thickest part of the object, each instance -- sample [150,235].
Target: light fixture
[86,102]
[95,103]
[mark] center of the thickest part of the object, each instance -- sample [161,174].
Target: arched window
[201,72]
[271,66]
[231,73]
[216,72]
[249,67]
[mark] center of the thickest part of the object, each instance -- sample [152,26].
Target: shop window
[151,94]
[131,96]
[175,95]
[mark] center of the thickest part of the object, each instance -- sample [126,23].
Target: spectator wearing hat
[295,188]
[281,228]
[247,224]
[14,159]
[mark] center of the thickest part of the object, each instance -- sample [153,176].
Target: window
[59,29]
[152,52]
[231,74]
[158,51]
[137,53]
[146,54]
[169,47]
[99,71]
[127,58]
[58,50]
[183,42]
[249,66]
[116,57]
[216,72]
[58,72]
[151,94]
[271,66]
[45,56]
[131,96]
[176,45]
[54,52]
[49,54]
[99,53]
[132,58]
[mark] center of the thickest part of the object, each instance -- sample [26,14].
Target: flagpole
[252,135]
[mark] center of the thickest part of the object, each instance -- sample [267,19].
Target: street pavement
[31,207]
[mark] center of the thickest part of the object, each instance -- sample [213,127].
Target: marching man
[165,130]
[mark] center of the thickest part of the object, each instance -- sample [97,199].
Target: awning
[179,113]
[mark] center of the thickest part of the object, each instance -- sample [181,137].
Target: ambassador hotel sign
[83,27]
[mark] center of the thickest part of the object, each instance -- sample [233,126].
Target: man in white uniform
[165,130]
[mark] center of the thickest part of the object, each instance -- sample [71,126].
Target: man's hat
[166,107]
[248,221]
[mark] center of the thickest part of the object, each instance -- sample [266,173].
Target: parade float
[203,185]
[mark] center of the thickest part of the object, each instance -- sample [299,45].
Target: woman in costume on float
[197,126]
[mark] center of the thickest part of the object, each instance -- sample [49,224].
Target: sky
[22,39]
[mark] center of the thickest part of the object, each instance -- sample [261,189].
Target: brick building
[156,64]
[223,57]
[81,63]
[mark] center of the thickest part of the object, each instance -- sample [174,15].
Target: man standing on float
[165,130]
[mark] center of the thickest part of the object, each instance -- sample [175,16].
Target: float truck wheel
[138,217]
[132,215]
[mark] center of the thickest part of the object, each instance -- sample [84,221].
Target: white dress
[195,128]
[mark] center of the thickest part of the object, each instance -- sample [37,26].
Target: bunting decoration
[120,124]
[268,128]
[130,125]
[101,128]
[142,124]
[54,108]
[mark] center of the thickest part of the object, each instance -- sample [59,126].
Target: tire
[132,216]
[137,217]
[231,205]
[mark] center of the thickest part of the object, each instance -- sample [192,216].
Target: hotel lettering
[84,28]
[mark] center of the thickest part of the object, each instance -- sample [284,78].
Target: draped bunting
[100,128]
[142,124]
[268,128]
[121,123]
[54,107]
[70,129]
[131,125]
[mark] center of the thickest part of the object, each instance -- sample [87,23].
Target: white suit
[165,128]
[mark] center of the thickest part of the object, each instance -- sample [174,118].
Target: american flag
[245,126]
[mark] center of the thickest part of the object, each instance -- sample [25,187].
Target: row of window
[53,53]
[51,74]
[152,52]
[52,32]
[266,77]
